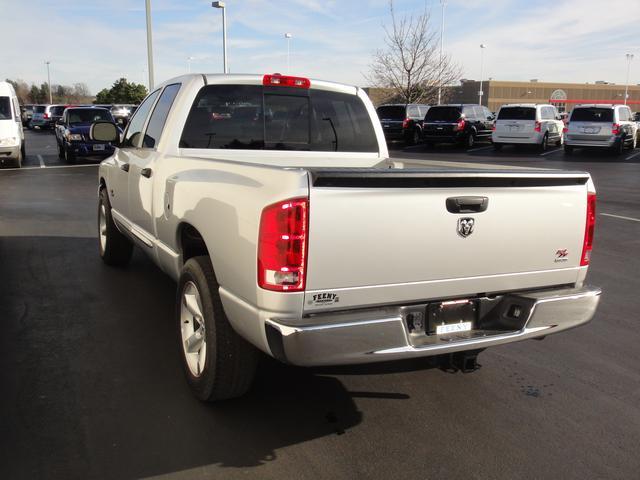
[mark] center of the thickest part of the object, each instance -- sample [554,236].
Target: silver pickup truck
[273,202]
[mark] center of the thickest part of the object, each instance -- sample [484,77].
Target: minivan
[527,123]
[11,134]
[462,124]
[603,126]
[402,121]
[45,116]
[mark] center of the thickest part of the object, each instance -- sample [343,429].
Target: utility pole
[444,4]
[626,85]
[49,82]
[149,44]
[223,7]
[288,37]
[480,92]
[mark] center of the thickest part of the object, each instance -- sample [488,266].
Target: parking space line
[632,156]
[479,149]
[42,165]
[550,152]
[621,217]
[50,167]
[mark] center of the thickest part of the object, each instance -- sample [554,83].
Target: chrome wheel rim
[102,226]
[192,329]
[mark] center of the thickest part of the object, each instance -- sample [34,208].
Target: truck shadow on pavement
[93,386]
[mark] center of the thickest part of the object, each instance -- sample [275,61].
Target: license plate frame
[453,316]
[100,147]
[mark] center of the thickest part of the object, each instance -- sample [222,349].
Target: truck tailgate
[378,237]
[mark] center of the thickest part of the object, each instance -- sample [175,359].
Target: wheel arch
[190,242]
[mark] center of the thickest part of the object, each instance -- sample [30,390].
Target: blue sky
[98,41]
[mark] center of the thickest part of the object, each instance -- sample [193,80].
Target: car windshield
[391,112]
[258,118]
[5,108]
[517,113]
[446,114]
[88,115]
[593,114]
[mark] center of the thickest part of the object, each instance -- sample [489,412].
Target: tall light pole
[444,4]
[223,6]
[189,59]
[288,37]
[626,85]
[480,92]
[49,82]
[149,44]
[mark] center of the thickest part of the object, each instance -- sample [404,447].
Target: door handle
[145,172]
[467,204]
[124,167]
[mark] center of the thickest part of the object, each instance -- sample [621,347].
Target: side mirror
[104,132]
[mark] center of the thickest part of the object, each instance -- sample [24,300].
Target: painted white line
[42,165]
[479,149]
[550,152]
[621,217]
[632,156]
[48,168]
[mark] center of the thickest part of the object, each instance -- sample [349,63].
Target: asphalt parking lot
[92,385]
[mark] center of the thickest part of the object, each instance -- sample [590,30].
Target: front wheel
[218,363]
[115,248]
[68,156]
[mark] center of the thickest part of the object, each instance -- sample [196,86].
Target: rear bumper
[444,138]
[599,143]
[532,139]
[382,334]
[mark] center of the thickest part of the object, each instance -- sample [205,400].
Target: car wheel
[18,161]
[415,137]
[23,152]
[470,141]
[618,148]
[60,151]
[568,150]
[68,156]
[218,363]
[497,146]
[115,248]
[560,141]
[544,143]
[634,143]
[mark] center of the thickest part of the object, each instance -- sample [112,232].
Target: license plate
[453,328]
[451,317]
[97,148]
[385,125]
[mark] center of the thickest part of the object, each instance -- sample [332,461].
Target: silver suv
[602,126]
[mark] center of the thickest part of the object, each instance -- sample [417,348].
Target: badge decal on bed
[323,299]
[561,255]
[465,226]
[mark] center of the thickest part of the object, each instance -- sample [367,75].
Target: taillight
[615,129]
[277,80]
[565,129]
[493,127]
[538,126]
[282,245]
[459,126]
[45,116]
[589,229]
[405,123]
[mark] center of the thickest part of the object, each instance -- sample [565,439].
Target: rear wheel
[544,143]
[470,140]
[618,148]
[115,248]
[568,150]
[560,141]
[218,363]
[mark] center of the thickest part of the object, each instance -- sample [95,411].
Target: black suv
[463,124]
[402,122]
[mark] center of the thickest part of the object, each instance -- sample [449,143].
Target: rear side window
[443,114]
[592,114]
[413,112]
[257,118]
[39,109]
[5,108]
[517,113]
[625,114]
[134,129]
[391,112]
[159,116]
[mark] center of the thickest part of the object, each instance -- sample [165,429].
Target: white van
[11,134]
[527,123]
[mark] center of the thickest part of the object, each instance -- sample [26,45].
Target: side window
[622,114]
[413,111]
[479,113]
[469,113]
[159,116]
[487,112]
[132,136]
[544,113]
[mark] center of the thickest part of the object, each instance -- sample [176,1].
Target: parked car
[528,124]
[122,113]
[26,112]
[45,116]
[273,203]
[462,124]
[402,122]
[601,126]
[12,147]
[72,133]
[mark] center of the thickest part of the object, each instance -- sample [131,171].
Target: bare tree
[410,63]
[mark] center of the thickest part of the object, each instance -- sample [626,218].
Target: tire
[560,141]
[568,149]
[542,147]
[60,152]
[469,140]
[115,248]
[618,148]
[224,364]
[69,157]
[634,143]
[414,138]
[497,147]
[18,161]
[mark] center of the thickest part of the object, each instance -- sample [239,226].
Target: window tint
[132,137]
[517,113]
[592,114]
[391,112]
[252,117]
[88,115]
[443,114]
[159,116]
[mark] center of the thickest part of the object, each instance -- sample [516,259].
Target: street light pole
[480,93]
[149,44]
[222,5]
[49,82]
[189,63]
[626,85]
[444,4]
[288,37]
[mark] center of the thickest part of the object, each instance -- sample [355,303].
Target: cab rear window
[517,113]
[258,118]
[592,115]
[446,114]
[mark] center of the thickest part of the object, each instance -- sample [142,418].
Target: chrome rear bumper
[382,334]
